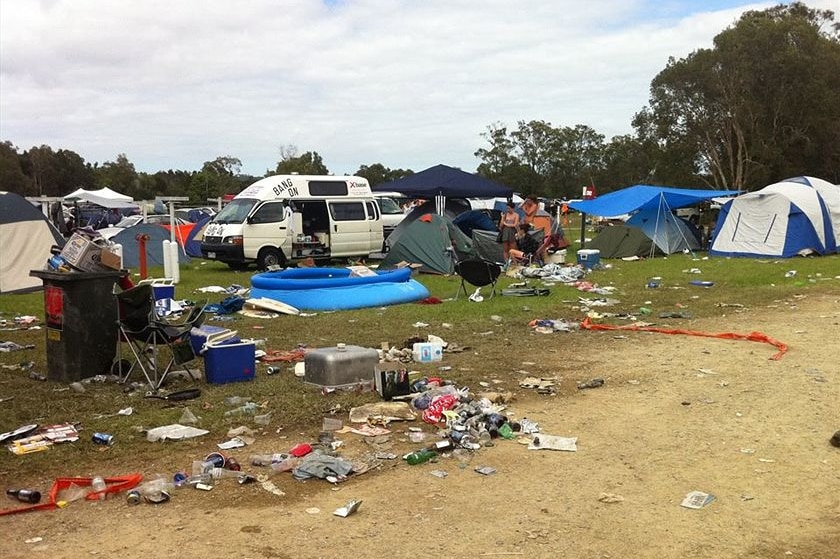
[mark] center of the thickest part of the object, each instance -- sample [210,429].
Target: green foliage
[310,163]
[118,175]
[759,106]
[377,173]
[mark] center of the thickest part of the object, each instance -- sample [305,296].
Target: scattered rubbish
[790,273]
[369,430]
[104,439]
[420,325]
[610,498]
[593,383]
[420,456]
[188,417]
[385,456]
[439,473]
[485,470]
[24,495]
[36,539]
[77,386]
[676,314]
[179,396]
[701,283]
[235,442]
[697,500]
[348,509]
[174,432]
[313,510]
[126,411]
[270,486]
[553,442]
[654,283]
[388,411]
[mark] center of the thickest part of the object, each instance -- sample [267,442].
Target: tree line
[761,105]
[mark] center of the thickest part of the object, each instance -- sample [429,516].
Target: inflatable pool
[327,289]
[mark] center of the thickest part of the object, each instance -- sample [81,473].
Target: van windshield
[236,211]
[389,207]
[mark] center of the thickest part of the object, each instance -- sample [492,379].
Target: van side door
[266,226]
[377,236]
[350,232]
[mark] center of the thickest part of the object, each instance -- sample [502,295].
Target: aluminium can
[102,438]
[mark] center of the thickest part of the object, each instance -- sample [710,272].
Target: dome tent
[793,217]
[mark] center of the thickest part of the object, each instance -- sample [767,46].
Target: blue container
[198,336]
[589,258]
[163,291]
[229,361]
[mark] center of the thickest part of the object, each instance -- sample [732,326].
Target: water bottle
[267,459]
[98,485]
[248,409]
[24,495]
[420,456]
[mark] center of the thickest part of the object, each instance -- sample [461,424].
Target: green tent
[619,241]
[431,241]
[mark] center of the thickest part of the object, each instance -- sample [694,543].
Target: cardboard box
[391,383]
[229,362]
[110,259]
[82,254]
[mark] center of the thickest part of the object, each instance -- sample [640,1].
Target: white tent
[104,197]
[796,216]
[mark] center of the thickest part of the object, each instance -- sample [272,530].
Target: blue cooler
[589,258]
[199,336]
[229,361]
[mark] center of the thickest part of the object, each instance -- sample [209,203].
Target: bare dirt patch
[676,414]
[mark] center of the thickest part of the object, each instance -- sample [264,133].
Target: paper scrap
[697,500]
[347,509]
[552,442]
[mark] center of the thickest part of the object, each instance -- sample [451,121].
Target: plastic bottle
[420,456]
[267,459]
[24,495]
[98,485]
[247,409]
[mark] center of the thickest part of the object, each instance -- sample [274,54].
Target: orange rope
[751,337]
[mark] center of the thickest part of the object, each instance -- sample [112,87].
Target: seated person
[526,245]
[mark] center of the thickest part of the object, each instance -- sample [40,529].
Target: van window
[373,212]
[327,188]
[271,212]
[347,211]
[236,211]
[389,206]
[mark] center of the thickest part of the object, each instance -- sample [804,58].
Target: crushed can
[102,438]
[133,497]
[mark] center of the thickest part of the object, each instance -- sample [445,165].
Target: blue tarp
[642,196]
[474,219]
[446,181]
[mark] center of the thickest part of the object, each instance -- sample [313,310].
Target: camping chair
[144,332]
[477,272]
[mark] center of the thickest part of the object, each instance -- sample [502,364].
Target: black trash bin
[80,315]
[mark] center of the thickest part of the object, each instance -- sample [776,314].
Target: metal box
[340,365]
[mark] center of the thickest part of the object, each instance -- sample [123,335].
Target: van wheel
[270,257]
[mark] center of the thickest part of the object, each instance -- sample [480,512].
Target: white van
[392,212]
[284,218]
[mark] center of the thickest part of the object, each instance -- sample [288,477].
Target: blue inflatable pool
[330,289]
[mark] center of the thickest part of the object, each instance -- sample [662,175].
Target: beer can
[102,438]
[272,370]
[233,464]
[133,497]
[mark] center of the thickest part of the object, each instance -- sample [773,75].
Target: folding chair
[477,272]
[145,332]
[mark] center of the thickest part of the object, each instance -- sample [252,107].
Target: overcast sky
[405,83]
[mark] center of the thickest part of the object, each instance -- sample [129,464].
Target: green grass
[298,408]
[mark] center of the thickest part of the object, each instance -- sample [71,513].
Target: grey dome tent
[431,241]
[26,237]
[621,241]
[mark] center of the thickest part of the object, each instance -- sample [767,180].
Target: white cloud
[404,83]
